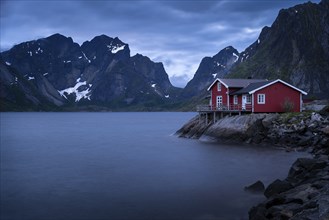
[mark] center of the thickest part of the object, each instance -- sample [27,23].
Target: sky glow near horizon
[178,33]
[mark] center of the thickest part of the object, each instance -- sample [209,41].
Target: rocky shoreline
[304,194]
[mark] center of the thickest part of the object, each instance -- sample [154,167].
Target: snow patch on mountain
[78,94]
[236,57]
[89,61]
[115,48]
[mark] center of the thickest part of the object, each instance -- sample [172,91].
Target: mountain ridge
[99,72]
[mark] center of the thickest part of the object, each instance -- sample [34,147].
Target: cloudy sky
[178,33]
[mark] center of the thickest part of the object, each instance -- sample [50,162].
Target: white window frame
[248,99]
[219,87]
[219,101]
[261,98]
[235,100]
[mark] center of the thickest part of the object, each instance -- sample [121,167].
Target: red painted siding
[275,96]
[215,93]
[231,90]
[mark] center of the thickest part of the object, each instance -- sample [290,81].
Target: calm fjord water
[125,166]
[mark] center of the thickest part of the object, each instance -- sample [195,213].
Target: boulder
[278,186]
[325,130]
[257,187]
[269,119]
[316,117]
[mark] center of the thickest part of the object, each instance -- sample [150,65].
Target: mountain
[17,93]
[295,48]
[100,72]
[209,69]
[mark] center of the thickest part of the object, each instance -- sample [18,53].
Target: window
[219,101]
[248,99]
[261,98]
[235,99]
[219,86]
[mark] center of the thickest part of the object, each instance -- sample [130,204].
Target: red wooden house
[254,95]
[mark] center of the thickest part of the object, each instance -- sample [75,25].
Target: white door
[219,101]
[244,101]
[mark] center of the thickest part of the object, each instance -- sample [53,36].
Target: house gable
[274,96]
[275,81]
[216,80]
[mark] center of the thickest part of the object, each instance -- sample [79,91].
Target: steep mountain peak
[210,68]
[59,38]
[226,54]
[106,40]
[106,47]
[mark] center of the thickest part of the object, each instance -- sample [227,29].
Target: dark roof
[240,83]
[251,87]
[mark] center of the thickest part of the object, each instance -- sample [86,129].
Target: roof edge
[275,81]
[216,80]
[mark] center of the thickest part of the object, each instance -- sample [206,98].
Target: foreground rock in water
[304,194]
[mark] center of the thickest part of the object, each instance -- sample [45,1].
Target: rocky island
[304,194]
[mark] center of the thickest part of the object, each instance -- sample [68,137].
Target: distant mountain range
[55,73]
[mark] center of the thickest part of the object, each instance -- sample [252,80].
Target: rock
[257,187]
[236,128]
[304,140]
[258,213]
[316,117]
[278,186]
[325,111]
[269,119]
[305,169]
[193,129]
[325,130]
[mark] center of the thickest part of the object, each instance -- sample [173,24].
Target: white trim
[264,98]
[275,81]
[216,80]
[301,103]
[219,87]
[221,102]
[247,99]
[252,103]
[243,104]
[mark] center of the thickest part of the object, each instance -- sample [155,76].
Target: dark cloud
[178,33]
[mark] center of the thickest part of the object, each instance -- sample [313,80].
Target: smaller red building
[255,95]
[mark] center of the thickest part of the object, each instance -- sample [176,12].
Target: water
[125,166]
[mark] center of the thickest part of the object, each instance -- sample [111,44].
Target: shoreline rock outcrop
[304,194]
[289,130]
